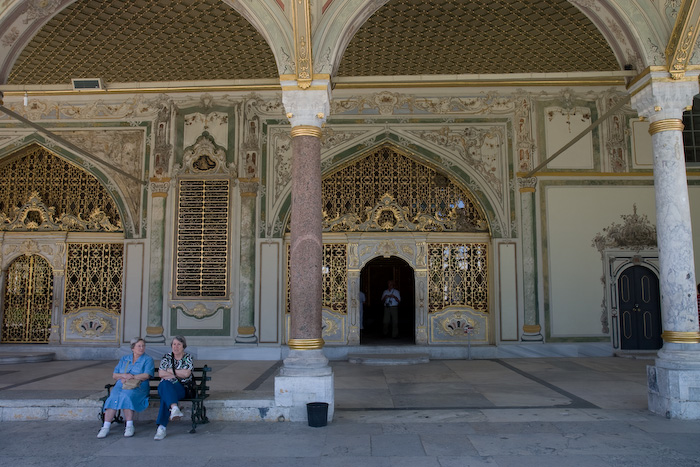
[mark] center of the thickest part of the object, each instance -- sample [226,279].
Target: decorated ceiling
[129,41]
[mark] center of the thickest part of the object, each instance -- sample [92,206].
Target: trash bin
[317,413]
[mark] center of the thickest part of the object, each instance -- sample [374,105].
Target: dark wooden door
[640,309]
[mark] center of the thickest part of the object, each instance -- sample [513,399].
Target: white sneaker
[175,413]
[160,433]
[104,431]
[129,431]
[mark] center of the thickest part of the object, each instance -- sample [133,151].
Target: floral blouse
[185,363]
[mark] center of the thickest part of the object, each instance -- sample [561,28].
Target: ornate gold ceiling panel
[145,40]
[427,37]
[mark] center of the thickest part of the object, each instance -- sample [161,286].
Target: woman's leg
[128,414]
[169,394]
[109,415]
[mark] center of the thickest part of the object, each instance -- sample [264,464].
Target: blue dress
[133,399]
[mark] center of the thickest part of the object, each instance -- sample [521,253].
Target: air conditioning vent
[87,84]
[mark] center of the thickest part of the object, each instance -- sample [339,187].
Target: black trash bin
[317,413]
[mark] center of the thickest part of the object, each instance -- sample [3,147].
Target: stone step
[389,359]
[26,357]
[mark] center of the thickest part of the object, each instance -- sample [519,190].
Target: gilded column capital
[159,186]
[248,187]
[655,96]
[527,184]
[308,107]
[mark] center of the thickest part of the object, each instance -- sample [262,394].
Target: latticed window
[334,278]
[60,184]
[457,276]
[94,273]
[420,191]
[202,243]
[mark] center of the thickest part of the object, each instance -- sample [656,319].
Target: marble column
[246,286]
[159,196]
[674,380]
[305,376]
[532,331]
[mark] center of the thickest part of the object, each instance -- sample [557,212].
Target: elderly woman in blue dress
[133,370]
[175,368]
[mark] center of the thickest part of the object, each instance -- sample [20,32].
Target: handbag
[190,388]
[131,383]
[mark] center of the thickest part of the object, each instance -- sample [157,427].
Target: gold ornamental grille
[94,276]
[419,37]
[28,299]
[60,184]
[457,276]
[419,189]
[202,238]
[334,273]
[334,280]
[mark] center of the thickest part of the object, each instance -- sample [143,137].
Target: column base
[154,335]
[674,384]
[532,333]
[246,335]
[305,377]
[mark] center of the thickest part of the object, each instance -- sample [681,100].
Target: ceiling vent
[87,84]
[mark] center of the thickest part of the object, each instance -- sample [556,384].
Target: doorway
[373,281]
[28,299]
[640,309]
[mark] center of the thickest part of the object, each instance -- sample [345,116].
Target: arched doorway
[373,282]
[640,309]
[28,299]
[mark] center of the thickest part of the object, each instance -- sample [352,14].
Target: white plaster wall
[575,214]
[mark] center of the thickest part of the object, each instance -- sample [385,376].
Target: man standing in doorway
[391,299]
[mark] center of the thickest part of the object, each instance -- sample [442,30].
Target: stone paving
[515,412]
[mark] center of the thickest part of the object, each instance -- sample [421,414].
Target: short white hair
[135,341]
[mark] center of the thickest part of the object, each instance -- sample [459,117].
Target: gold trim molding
[301,24]
[668,124]
[306,130]
[680,337]
[532,328]
[306,344]
[685,34]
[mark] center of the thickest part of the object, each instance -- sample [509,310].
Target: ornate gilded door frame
[615,262]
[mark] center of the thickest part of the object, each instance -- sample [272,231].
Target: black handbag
[189,385]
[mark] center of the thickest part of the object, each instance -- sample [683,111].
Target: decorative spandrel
[387,191]
[94,276]
[202,243]
[457,276]
[40,191]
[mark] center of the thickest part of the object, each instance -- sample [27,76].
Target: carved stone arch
[269,19]
[631,28]
[339,23]
[107,212]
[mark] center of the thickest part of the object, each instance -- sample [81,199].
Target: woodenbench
[199,411]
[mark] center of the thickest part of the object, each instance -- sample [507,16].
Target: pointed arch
[54,186]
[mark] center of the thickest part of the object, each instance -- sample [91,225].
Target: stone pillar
[532,331]
[246,287]
[159,197]
[674,380]
[306,376]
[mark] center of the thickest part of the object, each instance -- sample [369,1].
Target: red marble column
[306,240]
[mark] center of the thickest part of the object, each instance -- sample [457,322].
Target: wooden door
[640,309]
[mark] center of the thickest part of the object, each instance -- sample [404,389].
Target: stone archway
[373,280]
